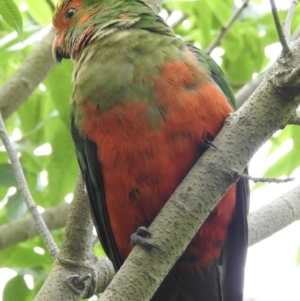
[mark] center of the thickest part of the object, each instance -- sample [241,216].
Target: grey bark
[76,258]
[25,228]
[17,88]
[274,217]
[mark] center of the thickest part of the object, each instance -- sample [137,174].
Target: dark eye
[70,13]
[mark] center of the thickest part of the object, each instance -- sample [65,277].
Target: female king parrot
[143,102]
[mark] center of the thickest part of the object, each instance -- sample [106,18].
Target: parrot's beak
[58,53]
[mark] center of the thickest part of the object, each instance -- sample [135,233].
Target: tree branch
[76,262]
[272,218]
[242,175]
[22,83]
[288,21]
[177,21]
[295,119]
[262,224]
[226,28]
[245,92]
[281,36]
[24,191]
[267,110]
[25,228]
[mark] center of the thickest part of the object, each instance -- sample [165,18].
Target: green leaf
[62,166]
[36,7]
[12,16]
[7,177]
[24,257]
[16,207]
[16,288]
[288,162]
[221,10]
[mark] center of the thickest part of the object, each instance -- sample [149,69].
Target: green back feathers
[215,72]
[119,58]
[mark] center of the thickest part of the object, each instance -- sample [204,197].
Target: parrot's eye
[70,13]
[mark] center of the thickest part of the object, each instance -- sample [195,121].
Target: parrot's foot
[140,238]
[206,144]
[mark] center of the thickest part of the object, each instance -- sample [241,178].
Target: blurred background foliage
[40,130]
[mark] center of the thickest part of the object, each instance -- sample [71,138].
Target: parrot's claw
[206,144]
[140,238]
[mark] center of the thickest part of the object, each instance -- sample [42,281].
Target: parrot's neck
[111,68]
[100,28]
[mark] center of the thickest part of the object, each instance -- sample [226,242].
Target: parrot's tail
[186,284]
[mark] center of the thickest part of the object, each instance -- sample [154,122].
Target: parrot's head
[79,22]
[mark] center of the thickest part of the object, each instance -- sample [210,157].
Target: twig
[226,28]
[178,21]
[288,21]
[281,36]
[264,180]
[24,191]
[244,93]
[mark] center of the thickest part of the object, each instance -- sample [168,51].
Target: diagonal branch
[226,28]
[24,191]
[22,83]
[77,273]
[25,228]
[267,110]
[288,21]
[274,217]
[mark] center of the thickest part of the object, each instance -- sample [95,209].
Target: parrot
[145,106]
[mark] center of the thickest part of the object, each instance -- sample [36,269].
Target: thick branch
[295,119]
[25,228]
[77,243]
[76,258]
[272,218]
[245,92]
[22,83]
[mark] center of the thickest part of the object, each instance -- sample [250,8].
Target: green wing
[215,72]
[86,152]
